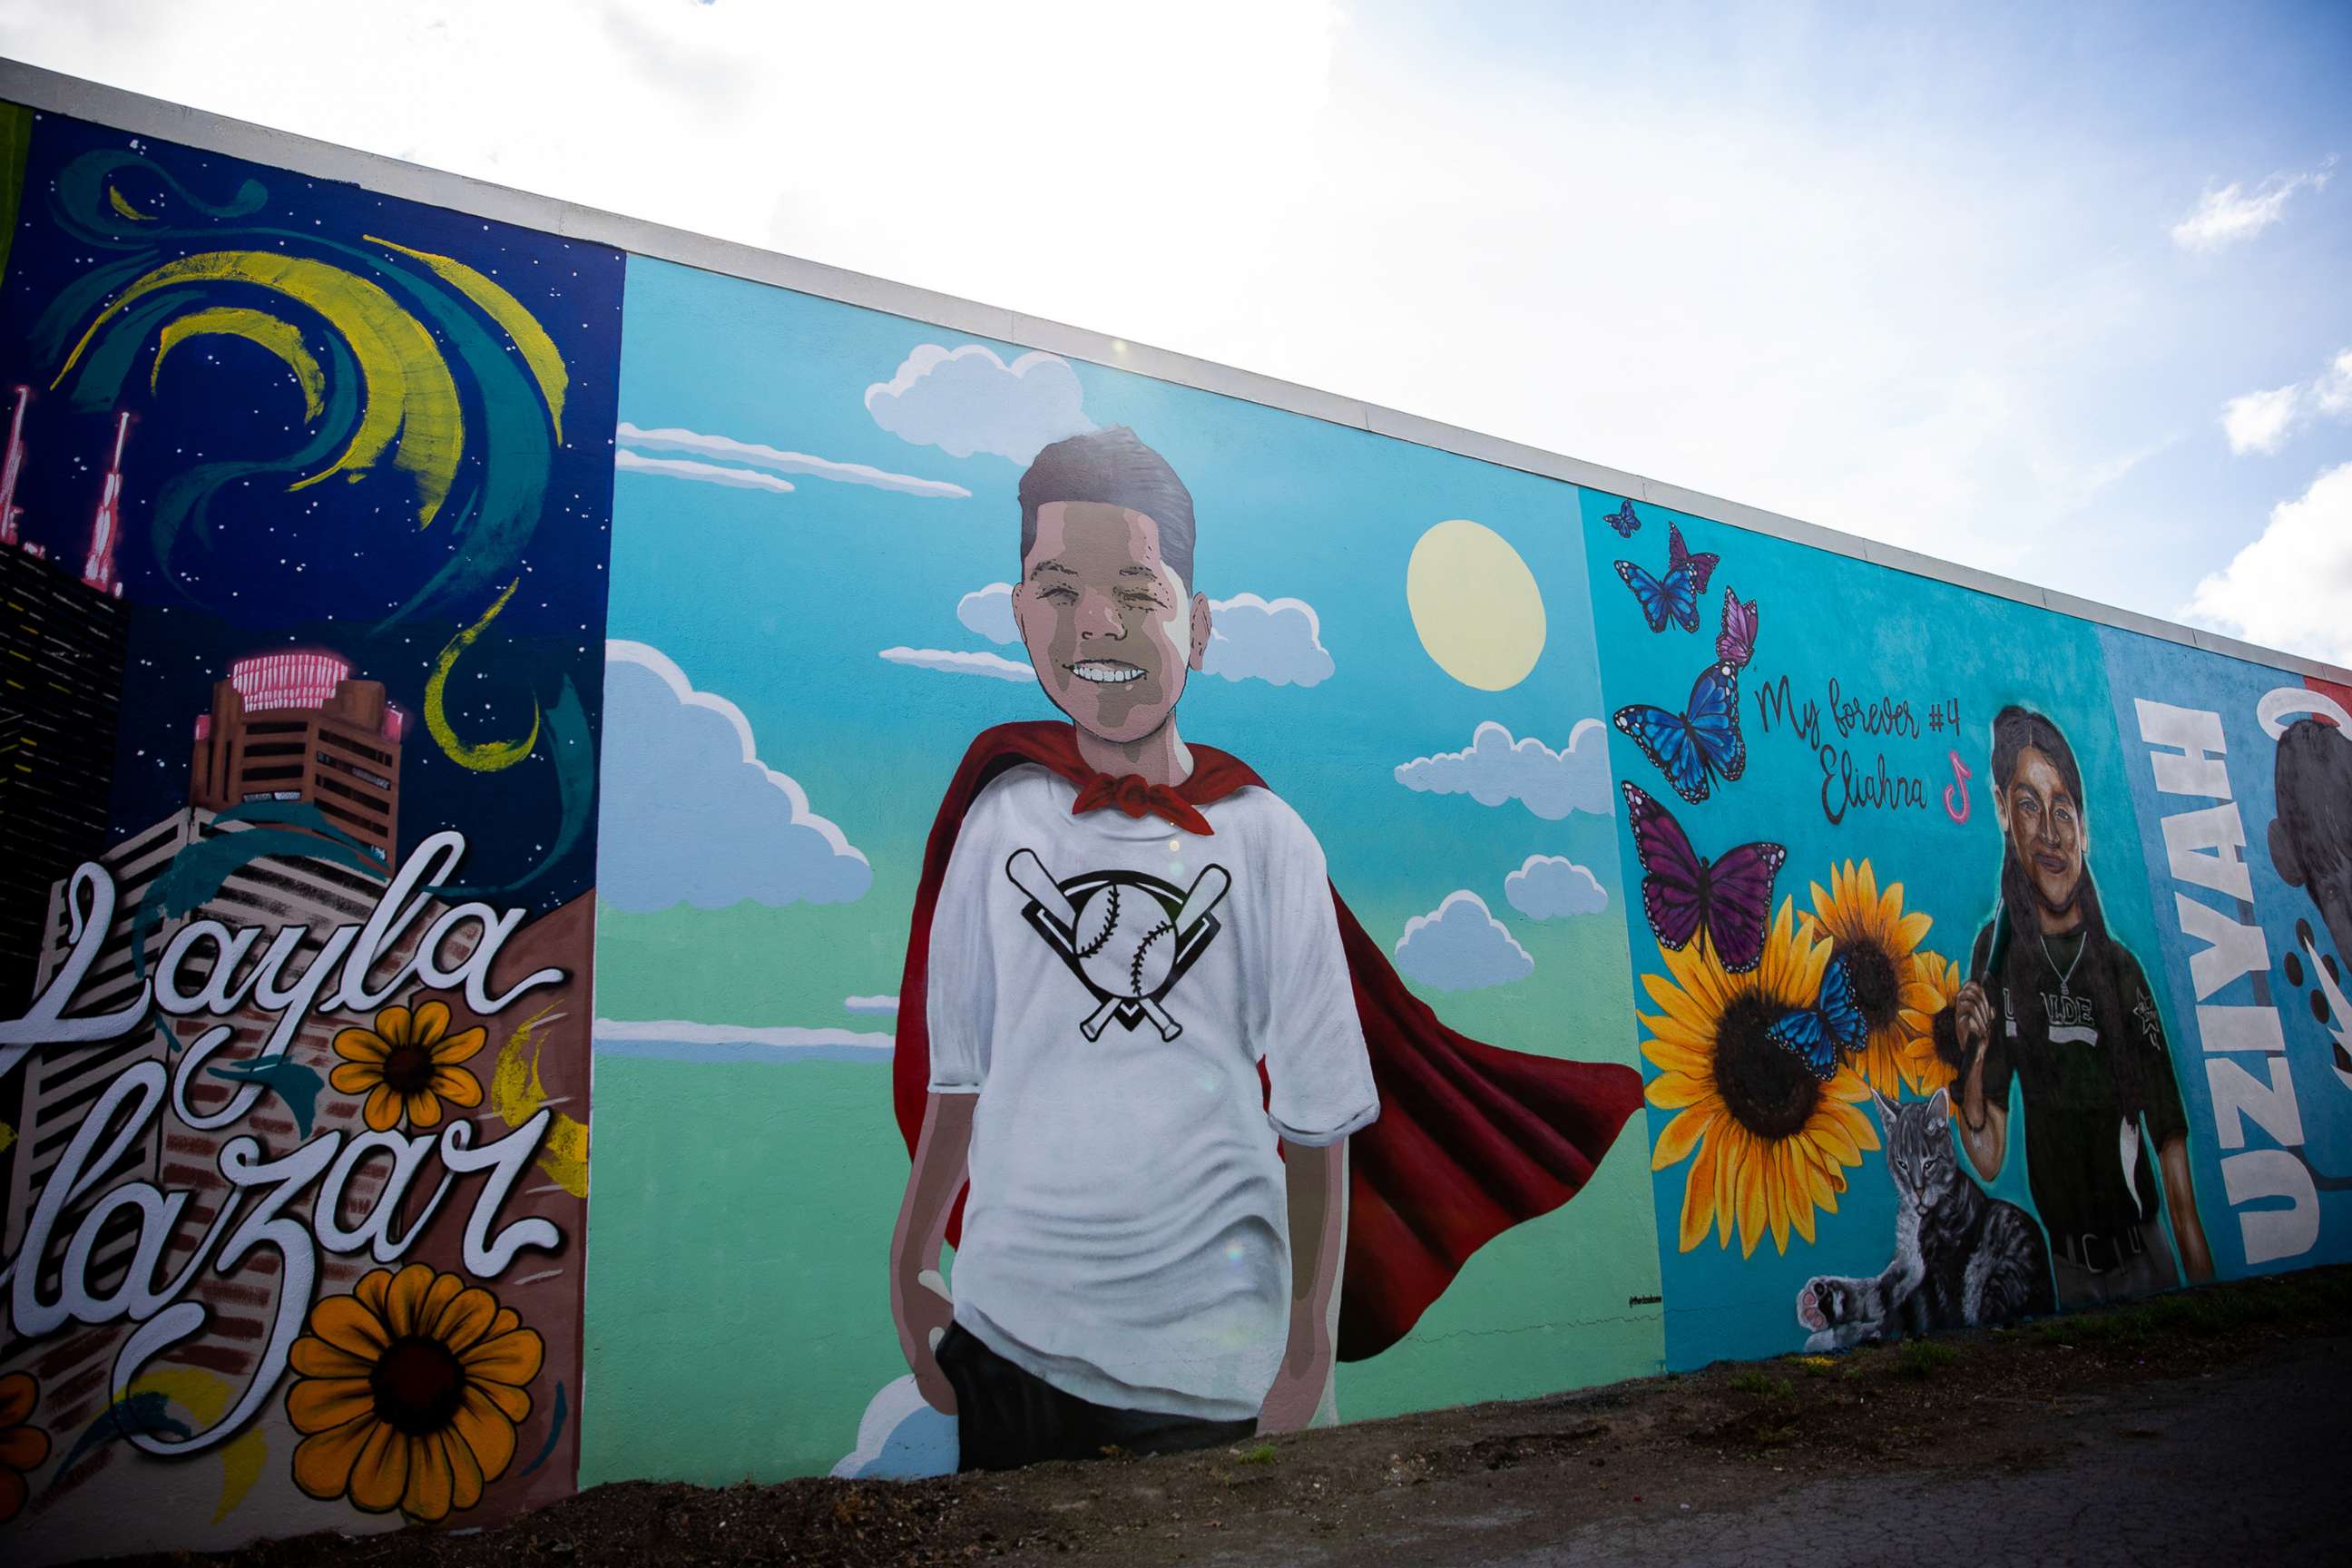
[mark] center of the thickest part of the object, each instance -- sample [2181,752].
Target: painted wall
[1749,948]
[302,596]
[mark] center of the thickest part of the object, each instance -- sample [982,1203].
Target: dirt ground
[2237,1389]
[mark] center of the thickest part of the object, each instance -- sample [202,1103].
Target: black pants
[1007,1416]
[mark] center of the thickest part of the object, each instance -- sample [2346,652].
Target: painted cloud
[1550,888]
[1461,946]
[968,401]
[989,612]
[1495,768]
[958,661]
[1279,641]
[752,457]
[691,816]
[628,462]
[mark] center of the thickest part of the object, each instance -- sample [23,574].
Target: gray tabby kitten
[1962,1259]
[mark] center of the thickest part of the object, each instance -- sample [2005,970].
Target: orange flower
[1870,931]
[1924,1067]
[23,1446]
[405,1066]
[409,1392]
[1772,1140]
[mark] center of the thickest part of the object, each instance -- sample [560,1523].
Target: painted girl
[2061,1006]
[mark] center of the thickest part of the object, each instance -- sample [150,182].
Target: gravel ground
[2204,1425]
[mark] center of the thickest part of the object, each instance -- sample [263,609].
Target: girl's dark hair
[2024,962]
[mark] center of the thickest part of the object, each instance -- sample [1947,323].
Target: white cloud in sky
[2259,422]
[958,661]
[1552,887]
[688,812]
[2331,393]
[2293,587]
[1495,768]
[1276,640]
[967,400]
[869,1006]
[1461,946]
[753,455]
[2263,421]
[989,612]
[2231,214]
[628,462]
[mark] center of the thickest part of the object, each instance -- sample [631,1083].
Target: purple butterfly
[1731,897]
[1736,644]
[1675,596]
[1623,521]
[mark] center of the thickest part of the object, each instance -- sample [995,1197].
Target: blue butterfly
[1623,521]
[1816,1035]
[1677,598]
[1702,739]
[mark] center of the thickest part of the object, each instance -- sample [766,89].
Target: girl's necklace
[2066,973]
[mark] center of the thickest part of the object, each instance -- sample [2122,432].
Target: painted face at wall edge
[2044,823]
[1111,628]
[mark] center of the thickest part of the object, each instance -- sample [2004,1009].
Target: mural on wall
[985,1070]
[1968,988]
[304,587]
[1235,1148]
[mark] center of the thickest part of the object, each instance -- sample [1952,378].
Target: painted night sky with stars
[447,387]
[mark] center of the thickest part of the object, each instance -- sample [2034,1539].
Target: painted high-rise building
[12,468]
[106,523]
[61,659]
[295,726]
[59,1087]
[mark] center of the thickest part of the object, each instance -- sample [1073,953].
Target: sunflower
[1869,930]
[1926,1067]
[1773,1140]
[23,1446]
[405,1067]
[409,1392]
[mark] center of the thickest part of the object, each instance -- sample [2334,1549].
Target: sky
[2057,295]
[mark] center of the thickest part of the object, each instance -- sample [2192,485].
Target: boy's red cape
[1471,1139]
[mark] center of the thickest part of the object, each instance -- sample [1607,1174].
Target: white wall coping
[53,92]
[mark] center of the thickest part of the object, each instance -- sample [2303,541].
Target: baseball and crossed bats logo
[1128,937]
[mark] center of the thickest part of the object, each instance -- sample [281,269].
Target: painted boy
[1139,1030]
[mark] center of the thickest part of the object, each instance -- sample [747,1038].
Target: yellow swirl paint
[204,1396]
[516,1094]
[280,338]
[487,756]
[115,199]
[409,403]
[539,351]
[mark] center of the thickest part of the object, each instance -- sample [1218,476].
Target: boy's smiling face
[1110,627]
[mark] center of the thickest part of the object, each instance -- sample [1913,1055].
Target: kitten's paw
[1828,1303]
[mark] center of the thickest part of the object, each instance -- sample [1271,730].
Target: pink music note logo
[1959,782]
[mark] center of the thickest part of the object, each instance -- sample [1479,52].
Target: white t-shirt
[1127,1235]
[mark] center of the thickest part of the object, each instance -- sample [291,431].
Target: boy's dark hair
[1114,467]
[2314,784]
